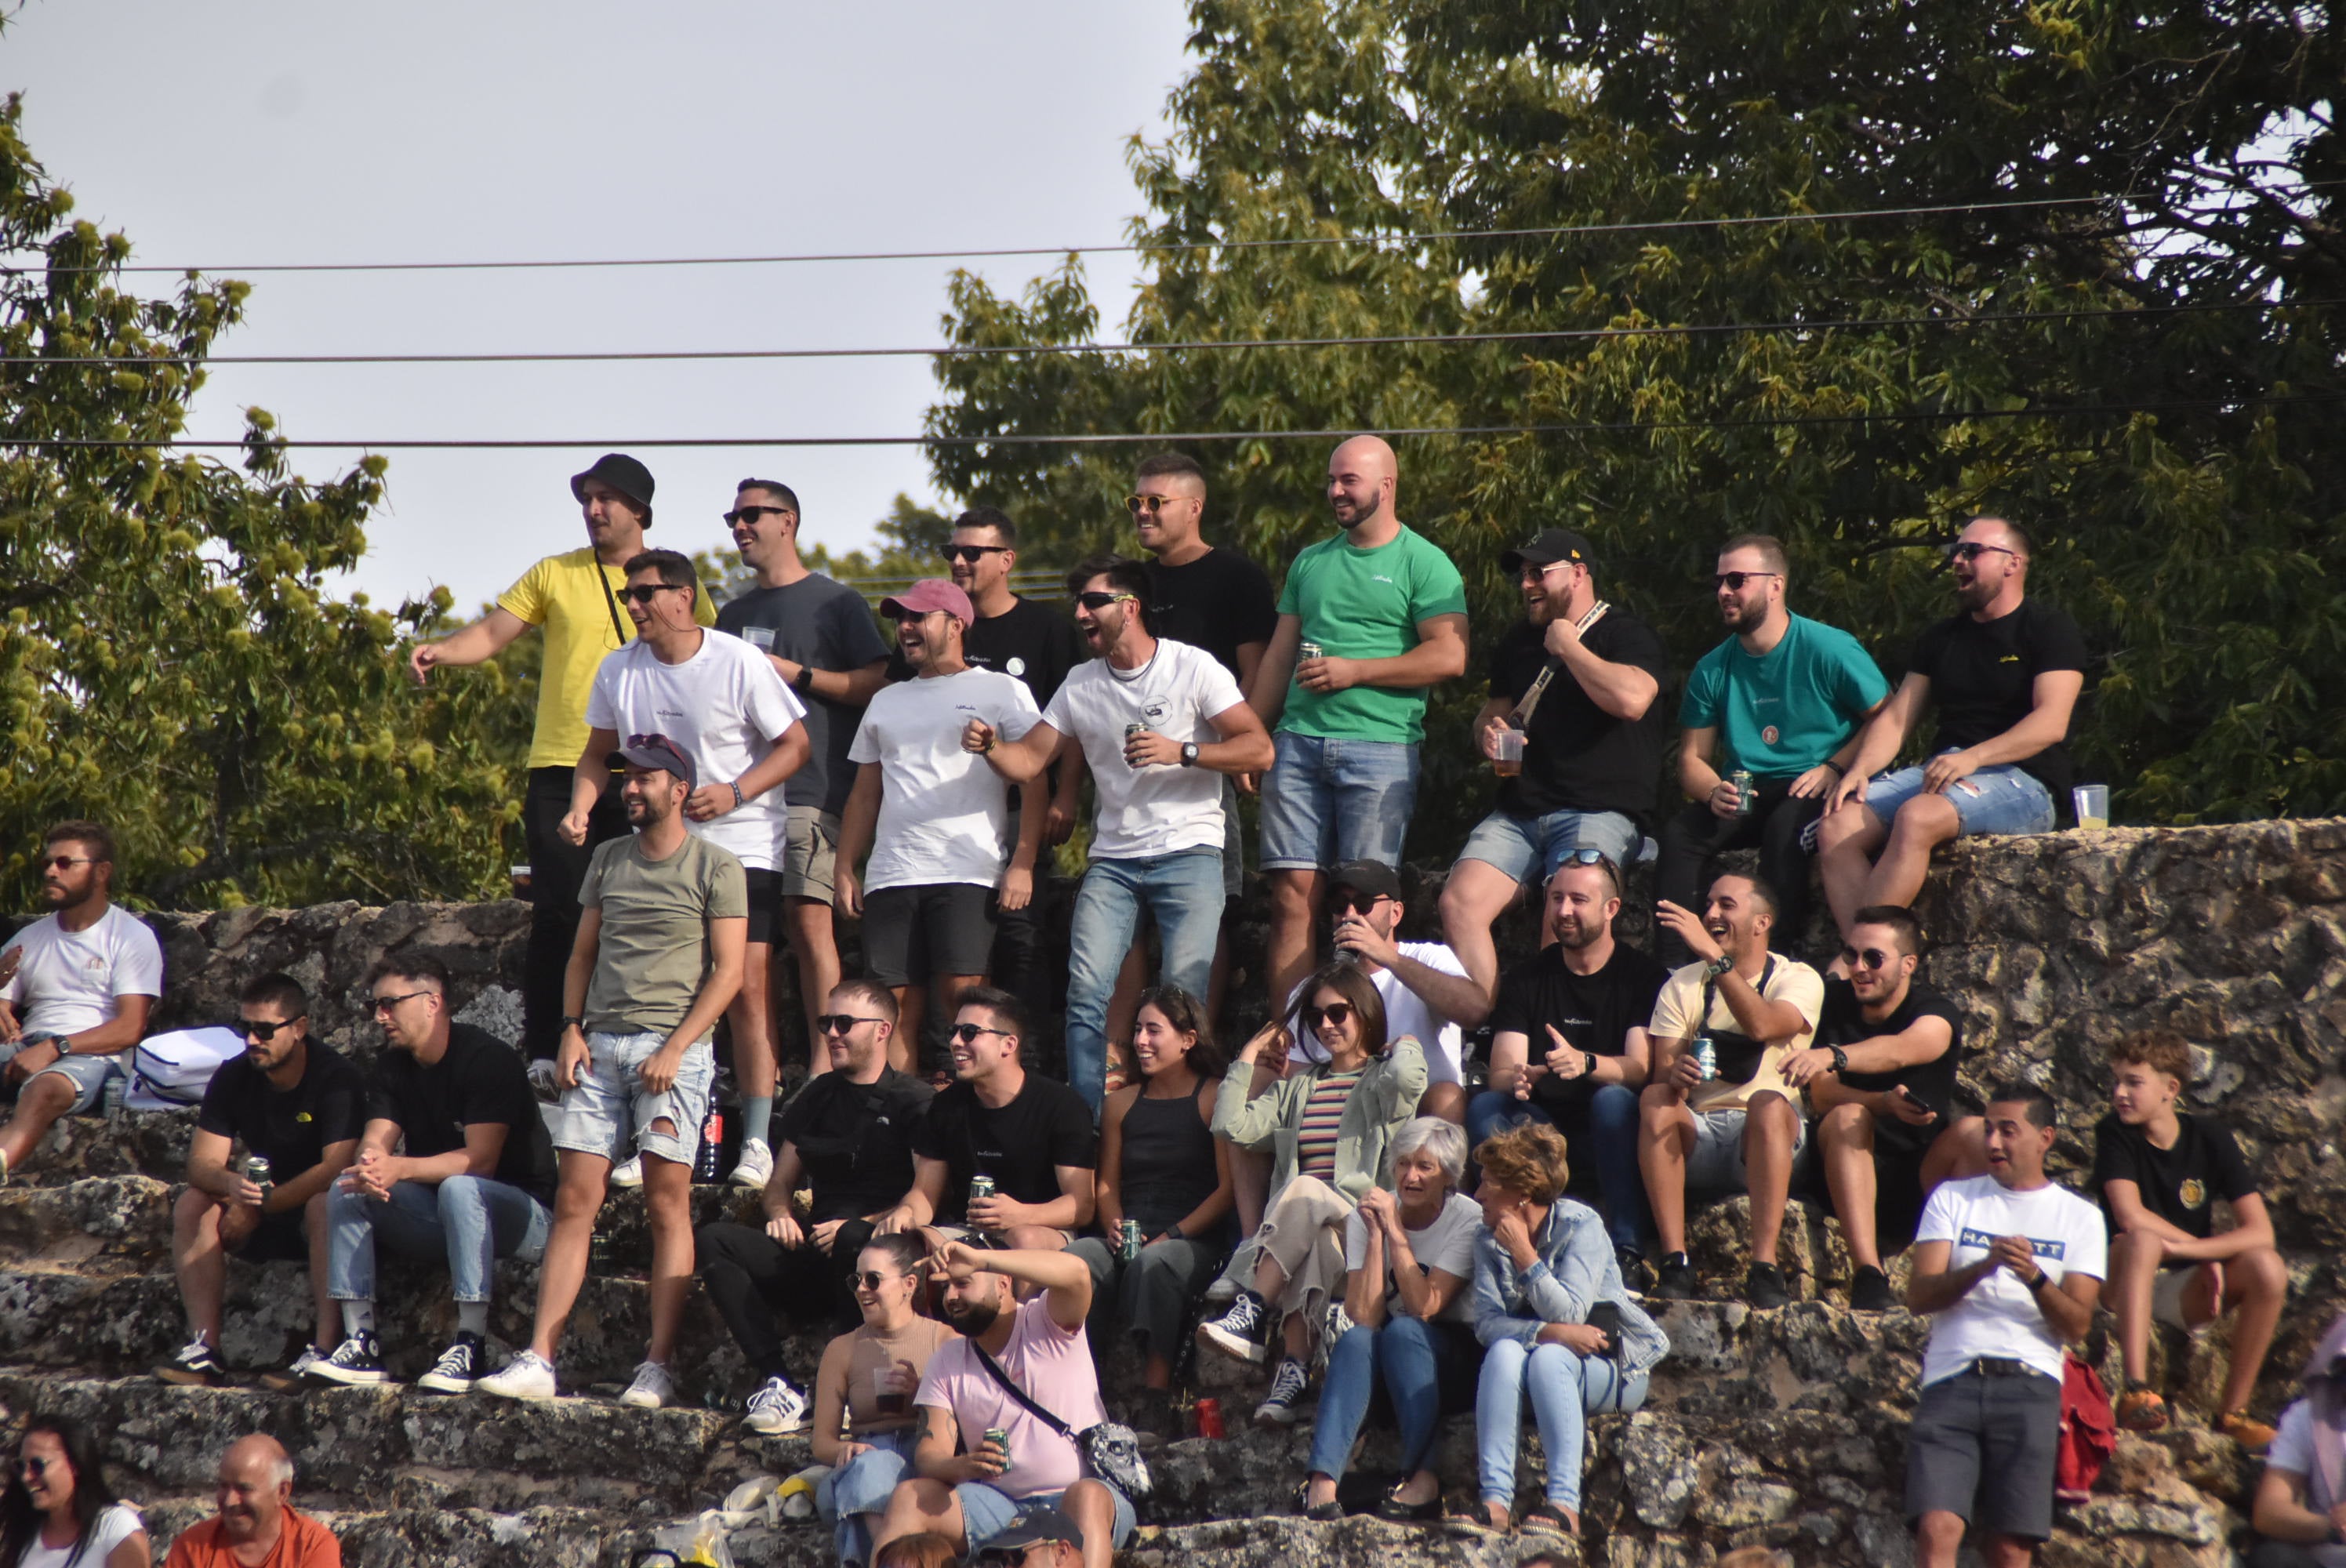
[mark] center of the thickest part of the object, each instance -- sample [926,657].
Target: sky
[277,132]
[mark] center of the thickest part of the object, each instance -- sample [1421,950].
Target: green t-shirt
[653,953]
[1366,603]
[1783,713]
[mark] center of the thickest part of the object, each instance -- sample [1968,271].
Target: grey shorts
[87,1074]
[1983,1447]
[1717,1163]
[808,855]
[610,1113]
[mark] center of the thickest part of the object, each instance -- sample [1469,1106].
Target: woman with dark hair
[58,1508]
[1330,1128]
[866,1382]
[1161,1167]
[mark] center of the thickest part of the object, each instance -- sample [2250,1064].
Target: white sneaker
[1222,1291]
[777,1410]
[652,1387]
[628,1171]
[757,1162]
[528,1376]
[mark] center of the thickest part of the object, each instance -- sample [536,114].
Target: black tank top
[1167,1161]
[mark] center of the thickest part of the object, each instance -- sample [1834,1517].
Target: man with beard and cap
[76,988]
[968,1487]
[1576,693]
[1158,722]
[1787,696]
[257,1525]
[2300,1509]
[935,817]
[575,597]
[2005,671]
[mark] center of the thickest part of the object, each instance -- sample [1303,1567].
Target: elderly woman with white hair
[1408,1260]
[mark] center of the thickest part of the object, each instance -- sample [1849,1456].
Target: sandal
[2142,1411]
[1547,1516]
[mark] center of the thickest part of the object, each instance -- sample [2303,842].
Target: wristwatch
[1588,1060]
[1188,754]
[1840,1060]
[577,1022]
[804,684]
[1717,967]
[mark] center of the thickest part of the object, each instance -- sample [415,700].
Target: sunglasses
[840,1022]
[1972,550]
[1593,858]
[1098,600]
[642,593]
[1733,580]
[382,1004]
[740,514]
[59,862]
[35,1468]
[1335,1012]
[871,1278]
[967,1033]
[1152,505]
[254,1028]
[968,554]
[1342,904]
[1871,958]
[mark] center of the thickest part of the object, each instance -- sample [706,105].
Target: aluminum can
[1000,1437]
[1308,650]
[1128,1240]
[260,1174]
[980,1185]
[1741,779]
[1209,1418]
[1706,1056]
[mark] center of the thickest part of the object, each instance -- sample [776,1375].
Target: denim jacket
[1575,1267]
[1386,1097]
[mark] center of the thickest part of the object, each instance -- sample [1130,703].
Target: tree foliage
[2081,364]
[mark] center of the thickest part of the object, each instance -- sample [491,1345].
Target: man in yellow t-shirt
[574,595]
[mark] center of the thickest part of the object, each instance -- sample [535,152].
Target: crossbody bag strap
[1521,718]
[611,604]
[994,1369]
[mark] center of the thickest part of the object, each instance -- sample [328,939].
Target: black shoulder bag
[1110,1451]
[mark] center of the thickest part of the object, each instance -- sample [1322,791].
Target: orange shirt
[304,1543]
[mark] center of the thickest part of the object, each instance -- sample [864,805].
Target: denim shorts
[985,1512]
[87,1074]
[1717,1163]
[611,1115]
[1328,802]
[2004,800]
[1521,845]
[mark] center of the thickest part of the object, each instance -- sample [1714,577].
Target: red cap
[931,594]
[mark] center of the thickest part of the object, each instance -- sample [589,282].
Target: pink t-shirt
[1053,1366]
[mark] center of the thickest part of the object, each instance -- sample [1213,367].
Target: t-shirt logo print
[2193,1192]
[1154,711]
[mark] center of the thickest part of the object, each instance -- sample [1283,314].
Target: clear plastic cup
[2093,804]
[1510,758]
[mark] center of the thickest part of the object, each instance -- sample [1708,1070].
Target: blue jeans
[986,1512]
[1328,802]
[1609,1123]
[1532,846]
[472,1221]
[1564,1386]
[1418,1363]
[2002,799]
[852,1496]
[1184,892]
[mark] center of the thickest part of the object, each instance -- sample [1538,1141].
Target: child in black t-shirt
[2159,1173]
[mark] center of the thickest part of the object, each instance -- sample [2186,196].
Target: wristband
[735,785]
[1839,772]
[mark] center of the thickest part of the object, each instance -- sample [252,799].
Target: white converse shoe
[528,1376]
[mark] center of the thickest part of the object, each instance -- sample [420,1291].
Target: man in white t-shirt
[2009,1266]
[1735,1127]
[80,984]
[723,704]
[935,817]
[1157,722]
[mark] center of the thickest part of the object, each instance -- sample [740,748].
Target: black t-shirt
[2178,1185]
[855,1140]
[1983,677]
[290,1127]
[1933,1082]
[1218,602]
[1036,642]
[824,624]
[1048,1126]
[1592,1011]
[481,1079]
[1577,756]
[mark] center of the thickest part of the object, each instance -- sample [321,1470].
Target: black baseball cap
[1548,546]
[1374,877]
[622,474]
[1028,1527]
[658,751]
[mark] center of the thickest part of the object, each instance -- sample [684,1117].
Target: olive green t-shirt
[654,951]
[1366,603]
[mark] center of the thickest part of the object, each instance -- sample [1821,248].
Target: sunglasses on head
[642,593]
[1871,958]
[1098,600]
[1335,1012]
[1733,580]
[968,554]
[1972,550]
[740,514]
[254,1028]
[840,1022]
[967,1033]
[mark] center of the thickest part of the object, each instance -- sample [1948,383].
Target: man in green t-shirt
[1368,621]
[1788,696]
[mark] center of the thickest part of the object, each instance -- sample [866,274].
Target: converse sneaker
[194,1366]
[1334,1324]
[1243,1331]
[756,1164]
[458,1368]
[628,1171]
[528,1376]
[356,1361]
[1869,1291]
[775,1409]
[652,1387]
[1288,1384]
[1677,1282]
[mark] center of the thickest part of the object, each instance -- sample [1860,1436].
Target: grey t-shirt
[823,623]
[653,953]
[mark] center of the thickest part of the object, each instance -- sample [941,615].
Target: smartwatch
[1188,754]
[804,684]
[1588,1059]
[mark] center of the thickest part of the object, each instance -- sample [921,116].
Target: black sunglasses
[968,554]
[1972,550]
[1335,1012]
[840,1022]
[871,1278]
[34,1467]
[968,1032]
[1871,958]
[59,862]
[254,1028]
[1098,600]
[641,593]
[1341,904]
[385,1003]
[1733,580]
[740,514]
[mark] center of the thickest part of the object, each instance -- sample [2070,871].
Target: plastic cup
[2093,804]
[1510,758]
[887,1396]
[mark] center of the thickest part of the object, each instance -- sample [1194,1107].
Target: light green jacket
[1386,1097]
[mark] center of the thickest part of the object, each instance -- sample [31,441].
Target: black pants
[557,869]
[1697,833]
[751,1278]
[2281,1554]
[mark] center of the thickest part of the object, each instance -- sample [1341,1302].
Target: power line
[1385,339]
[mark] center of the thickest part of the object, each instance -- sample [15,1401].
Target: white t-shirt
[2292,1450]
[1675,1010]
[73,978]
[944,813]
[1447,1244]
[115,1524]
[1406,1014]
[724,707]
[1998,1317]
[1161,809]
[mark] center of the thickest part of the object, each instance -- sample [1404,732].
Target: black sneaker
[1764,1286]
[1677,1281]
[1243,1331]
[356,1362]
[458,1368]
[194,1366]
[1869,1291]
[1636,1274]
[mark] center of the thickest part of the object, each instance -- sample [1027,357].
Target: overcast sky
[273,131]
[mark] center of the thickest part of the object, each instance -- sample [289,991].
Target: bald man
[257,1525]
[2005,671]
[1368,622]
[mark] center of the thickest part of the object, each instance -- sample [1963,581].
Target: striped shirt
[1323,1112]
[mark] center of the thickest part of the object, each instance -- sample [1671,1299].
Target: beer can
[1129,1239]
[1741,779]
[1706,1056]
[1307,651]
[260,1174]
[1000,1437]
[980,1186]
[1209,1418]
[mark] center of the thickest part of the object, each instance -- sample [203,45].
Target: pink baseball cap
[931,594]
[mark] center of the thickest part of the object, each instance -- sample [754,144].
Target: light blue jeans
[472,1221]
[1532,846]
[1424,1366]
[1184,892]
[1328,802]
[851,1496]
[1565,1388]
[2007,799]
[1609,1120]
